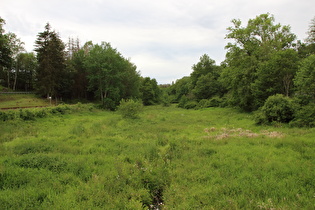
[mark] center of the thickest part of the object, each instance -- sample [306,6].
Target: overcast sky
[164,38]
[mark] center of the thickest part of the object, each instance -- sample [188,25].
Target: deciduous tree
[252,46]
[204,78]
[110,75]
[26,64]
[150,91]
[5,55]
[275,76]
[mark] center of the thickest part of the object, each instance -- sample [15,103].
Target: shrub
[166,100]
[215,102]
[41,113]
[203,103]
[277,108]
[109,104]
[60,109]
[3,116]
[130,108]
[183,100]
[8,115]
[304,116]
[191,105]
[26,114]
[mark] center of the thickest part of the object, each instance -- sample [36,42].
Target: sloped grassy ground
[21,100]
[169,158]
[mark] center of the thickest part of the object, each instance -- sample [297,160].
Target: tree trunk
[15,78]
[8,75]
[287,84]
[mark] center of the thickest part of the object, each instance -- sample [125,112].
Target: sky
[163,38]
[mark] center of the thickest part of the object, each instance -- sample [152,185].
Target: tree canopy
[110,75]
[253,46]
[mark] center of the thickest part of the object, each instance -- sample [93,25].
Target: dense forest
[266,70]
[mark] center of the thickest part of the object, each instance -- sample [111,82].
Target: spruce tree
[51,69]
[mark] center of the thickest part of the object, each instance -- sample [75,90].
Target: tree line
[263,59]
[71,71]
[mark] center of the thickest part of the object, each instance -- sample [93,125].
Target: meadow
[171,158]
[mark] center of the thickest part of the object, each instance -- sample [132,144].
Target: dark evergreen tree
[51,73]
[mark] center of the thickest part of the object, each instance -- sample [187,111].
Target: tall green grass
[171,158]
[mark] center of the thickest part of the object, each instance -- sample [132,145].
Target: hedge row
[32,114]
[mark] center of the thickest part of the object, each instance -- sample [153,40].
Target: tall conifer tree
[51,63]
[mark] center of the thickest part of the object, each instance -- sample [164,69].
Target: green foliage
[304,80]
[150,91]
[180,88]
[304,116]
[182,102]
[205,66]
[275,76]
[26,114]
[7,115]
[253,46]
[311,32]
[190,104]
[165,99]
[130,108]
[203,103]
[32,114]
[109,104]
[6,53]
[51,71]
[204,79]
[207,87]
[110,76]
[213,102]
[26,64]
[277,108]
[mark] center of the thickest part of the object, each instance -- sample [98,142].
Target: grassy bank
[174,158]
[21,100]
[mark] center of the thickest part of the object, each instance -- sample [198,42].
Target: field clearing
[21,101]
[170,158]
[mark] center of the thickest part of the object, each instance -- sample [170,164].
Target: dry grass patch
[223,133]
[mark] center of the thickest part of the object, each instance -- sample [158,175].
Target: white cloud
[163,38]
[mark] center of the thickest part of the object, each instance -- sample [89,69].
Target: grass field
[169,158]
[21,100]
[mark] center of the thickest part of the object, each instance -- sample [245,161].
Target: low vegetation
[130,108]
[172,158]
